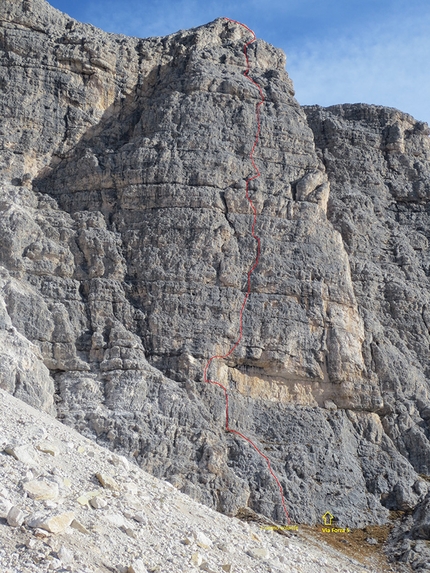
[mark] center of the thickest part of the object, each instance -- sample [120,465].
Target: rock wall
[377,161]
[125,238]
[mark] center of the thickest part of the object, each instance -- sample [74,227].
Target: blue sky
[338,51]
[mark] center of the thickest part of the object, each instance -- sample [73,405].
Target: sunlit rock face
[125,243]
[378,163]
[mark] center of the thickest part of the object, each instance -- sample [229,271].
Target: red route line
[251,270]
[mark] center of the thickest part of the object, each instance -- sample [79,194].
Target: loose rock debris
[87,510]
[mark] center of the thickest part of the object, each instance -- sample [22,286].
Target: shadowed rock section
[125,243]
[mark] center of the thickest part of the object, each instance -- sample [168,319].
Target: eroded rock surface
[377,160]
[126,240]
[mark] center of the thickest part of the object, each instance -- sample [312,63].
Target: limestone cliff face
[125,242]
[378,163]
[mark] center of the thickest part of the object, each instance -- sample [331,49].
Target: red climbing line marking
[251,270]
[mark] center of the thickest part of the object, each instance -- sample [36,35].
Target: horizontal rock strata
[126,240]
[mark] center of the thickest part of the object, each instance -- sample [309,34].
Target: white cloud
[387,65]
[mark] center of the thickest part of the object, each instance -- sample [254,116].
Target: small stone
[51,504]
[196,559]
[228,567]
[372,541]
[80,527]
[140,517]
[65,555]
[85,498]
[121,461]
[58,523]
[98,502]
[206,567]
[15,517]
[107,481]
[187,541]
[41,533]
[81,449]
[54,564]
[31,543]
[25,454]
[260,553]
[130,532]
[137,566]
[131,487]
[5,506]
[37,432]
[48,448]
[132,501]
[230,548]
[41,490]
[116,519]
[202,540]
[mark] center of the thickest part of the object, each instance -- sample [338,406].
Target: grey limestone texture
[125,239]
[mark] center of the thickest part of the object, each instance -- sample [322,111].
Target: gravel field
[67,504]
